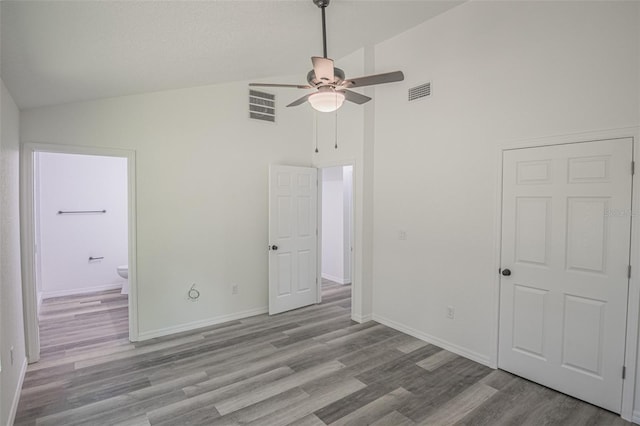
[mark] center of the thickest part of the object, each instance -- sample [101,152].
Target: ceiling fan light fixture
[326,101]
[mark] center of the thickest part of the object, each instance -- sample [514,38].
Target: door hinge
[633,167]
[629,272]
[624,371]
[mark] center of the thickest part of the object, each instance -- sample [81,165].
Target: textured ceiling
[55,52]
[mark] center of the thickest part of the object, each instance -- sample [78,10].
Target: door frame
[633,301]
[355,272]
[27,237]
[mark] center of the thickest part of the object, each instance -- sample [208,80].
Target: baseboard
[16,397]
[472,355]
[146,335]
[74,291]
[361,318]
[335,279]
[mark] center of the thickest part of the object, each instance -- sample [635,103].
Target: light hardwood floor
[313,366]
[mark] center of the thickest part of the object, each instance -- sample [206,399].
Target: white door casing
[28,240]
[566,224]
[293,200]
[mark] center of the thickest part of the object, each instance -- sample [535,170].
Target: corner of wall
[16,396]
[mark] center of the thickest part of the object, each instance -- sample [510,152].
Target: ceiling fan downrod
[322,4]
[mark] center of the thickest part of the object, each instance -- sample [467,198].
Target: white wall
[11,320]
[500,72]
[333,225]
[71,182]
[201,191]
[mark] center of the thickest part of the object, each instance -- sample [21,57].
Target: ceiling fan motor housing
[316,82]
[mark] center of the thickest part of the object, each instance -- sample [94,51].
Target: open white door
[293,200]
[565,254]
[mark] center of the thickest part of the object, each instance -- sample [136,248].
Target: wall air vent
[262,106]
[421,91]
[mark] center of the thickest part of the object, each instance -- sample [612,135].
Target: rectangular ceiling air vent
[421,91]
[262,106]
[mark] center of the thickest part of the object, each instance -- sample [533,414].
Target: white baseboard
[335,279]
[146,335]
[74,291]
[16,396]
[472,355]
[361,318]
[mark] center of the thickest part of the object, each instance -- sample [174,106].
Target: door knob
[506,272]
[274,247]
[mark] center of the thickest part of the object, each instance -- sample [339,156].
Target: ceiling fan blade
[323,68]
[295,86]
[355,97]
[300,101]
[370,80]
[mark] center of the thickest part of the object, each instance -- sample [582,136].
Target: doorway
[296,232]
[79,247]
[336,224]
[566,229]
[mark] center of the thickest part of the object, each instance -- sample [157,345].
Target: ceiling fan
[332,88]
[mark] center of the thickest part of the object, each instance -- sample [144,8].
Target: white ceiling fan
[332,88]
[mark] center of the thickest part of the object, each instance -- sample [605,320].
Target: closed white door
[566,226]
[293,200]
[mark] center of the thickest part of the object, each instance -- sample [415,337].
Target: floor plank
[309,367]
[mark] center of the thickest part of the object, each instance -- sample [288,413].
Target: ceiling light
[326,101]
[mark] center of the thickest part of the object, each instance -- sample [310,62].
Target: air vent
[262,106]
[421,91]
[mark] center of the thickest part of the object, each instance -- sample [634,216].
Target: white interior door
[293,200]
[566,226]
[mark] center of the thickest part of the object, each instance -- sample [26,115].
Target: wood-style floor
[313,366]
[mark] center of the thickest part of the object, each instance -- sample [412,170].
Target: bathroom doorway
[78,243]
[336,252]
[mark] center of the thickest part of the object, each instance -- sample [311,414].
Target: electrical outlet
[402,235]
[451,312]
[234,289]
[11,352]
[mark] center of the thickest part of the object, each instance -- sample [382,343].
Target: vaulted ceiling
[55,52]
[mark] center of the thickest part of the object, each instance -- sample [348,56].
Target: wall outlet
[402,235]
[451,312]
[234,289]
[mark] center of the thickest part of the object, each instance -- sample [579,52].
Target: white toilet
[123,271]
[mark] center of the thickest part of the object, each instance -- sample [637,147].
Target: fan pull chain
[336,145]
[315,125]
